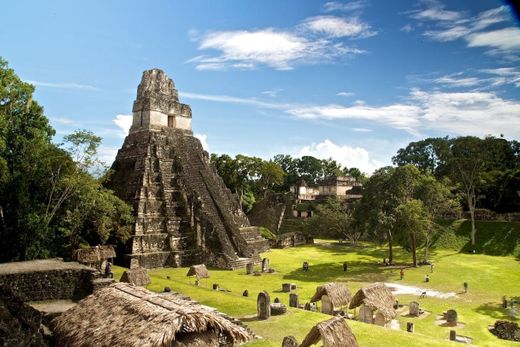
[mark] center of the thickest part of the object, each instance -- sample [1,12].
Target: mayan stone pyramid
[184,214]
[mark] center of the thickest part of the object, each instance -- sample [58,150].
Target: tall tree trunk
[390,250]
[414,248]
[471,205]
[426,248]
[473,227]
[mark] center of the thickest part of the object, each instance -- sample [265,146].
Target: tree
[289,166]
[483,170]
[25,137]
[428,155]
[437,198]
[375,212]
[271,175]
[467,162]
[332,220]
[310,169]
[397,200]
[413,220]
[43,190]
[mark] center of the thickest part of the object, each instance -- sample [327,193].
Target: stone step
[100,283]
[240,263]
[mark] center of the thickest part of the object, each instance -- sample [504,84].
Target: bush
[267,234]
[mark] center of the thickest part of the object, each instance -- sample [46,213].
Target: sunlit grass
[489,278]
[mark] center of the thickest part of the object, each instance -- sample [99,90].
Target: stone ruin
[263,305]
[506,330]
[184,213]
[290,341]
[414,309]
[265,265]
[293,300]
[451,317]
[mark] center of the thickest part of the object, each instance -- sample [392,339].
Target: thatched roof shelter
[337,292]
[377,296]
[198,270]
[334,332]
[94,254]
[138,277]
[126,315]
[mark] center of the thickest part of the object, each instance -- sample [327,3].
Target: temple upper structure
[157,104]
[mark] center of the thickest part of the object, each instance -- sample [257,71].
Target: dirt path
[401,289]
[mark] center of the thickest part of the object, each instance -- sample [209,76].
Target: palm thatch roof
[126,315]
[138,277]
[334,332]
[94,254]
[198,270]
[338,293]
[377,296]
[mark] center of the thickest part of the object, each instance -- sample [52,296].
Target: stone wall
[292,239]
[485,215]
[19,322]
[47,279]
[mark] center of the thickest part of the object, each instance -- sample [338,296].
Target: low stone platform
[41,265]
[49,279]
[51,309]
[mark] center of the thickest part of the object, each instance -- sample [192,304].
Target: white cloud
[453,80]
[362,130]
[443,25]
[273,93]
[506,75]
[506,39]
[345,155]
[468,113]
[234,100]
[316,40]
[455,113]
[450,34]
[273,48]
[345,7]
[483,79]
[63,85]
[203,140]
[437,12]
[107,154]
[63,120]
[345,94]
[407,28]
[124,122]
[399,116]
[338,27]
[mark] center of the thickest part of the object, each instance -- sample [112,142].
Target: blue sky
[352,80]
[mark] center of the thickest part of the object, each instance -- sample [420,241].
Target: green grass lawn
[489,278]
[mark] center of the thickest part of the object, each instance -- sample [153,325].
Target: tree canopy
[49,201]
[485,171]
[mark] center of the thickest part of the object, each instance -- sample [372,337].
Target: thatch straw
[198,270]
[94,254]
[138,277]
[338,293]
[334,332]
[377,296]
[126,315]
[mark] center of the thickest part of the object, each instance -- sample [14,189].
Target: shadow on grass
[376,254]
[358,271]
[496,311]
[493,237]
